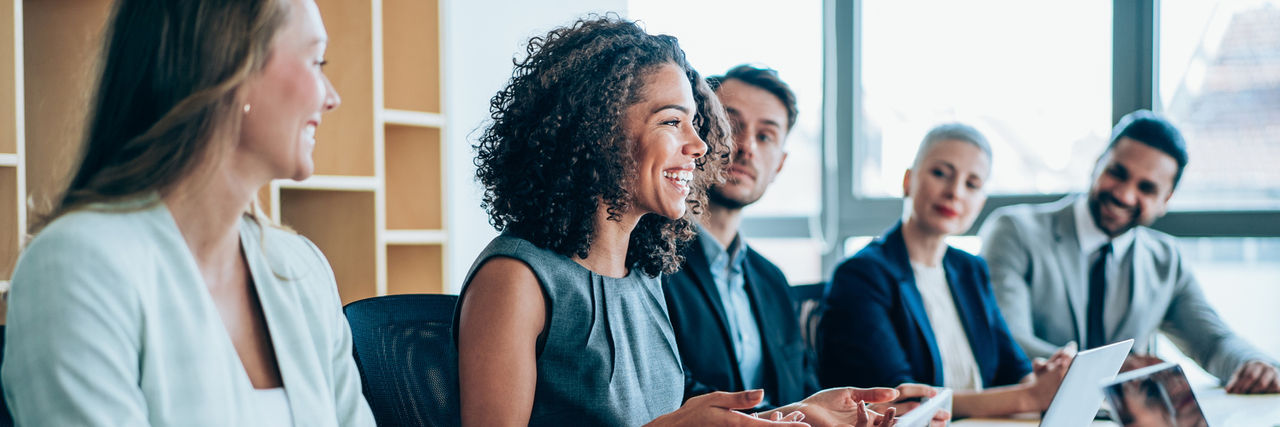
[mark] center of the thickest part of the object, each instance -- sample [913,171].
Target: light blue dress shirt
[727,272]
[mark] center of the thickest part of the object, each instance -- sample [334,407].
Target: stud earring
[247,107]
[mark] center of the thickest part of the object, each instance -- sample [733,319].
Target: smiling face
[947,187]
[1131,186]
[665,142]
[759,129]
[287,97]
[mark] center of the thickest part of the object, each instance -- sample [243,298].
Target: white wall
[480,39]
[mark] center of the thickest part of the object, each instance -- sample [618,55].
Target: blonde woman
[149,295]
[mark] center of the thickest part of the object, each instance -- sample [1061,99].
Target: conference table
[1220,408]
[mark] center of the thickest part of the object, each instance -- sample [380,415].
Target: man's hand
[718,409]
[843,406]
[1139,361]
[909,397]
[1046,376]
[1254,377]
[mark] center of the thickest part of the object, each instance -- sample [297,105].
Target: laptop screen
[1155,396]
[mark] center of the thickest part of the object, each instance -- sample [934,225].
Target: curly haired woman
[599,150]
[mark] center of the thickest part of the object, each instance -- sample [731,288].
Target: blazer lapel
[698,264]
[896,254]
[1140,264]
[769,341]
[1073,267]
[276,299]
[968,305]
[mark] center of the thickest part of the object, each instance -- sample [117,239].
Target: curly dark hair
[556,147]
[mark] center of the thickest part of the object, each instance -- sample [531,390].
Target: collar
[713,250]
[1091,237]
[895,251]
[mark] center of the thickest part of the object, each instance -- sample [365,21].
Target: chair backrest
[6,419]
[407,359]
[808,305]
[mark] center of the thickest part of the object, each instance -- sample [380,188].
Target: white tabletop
[1220,408]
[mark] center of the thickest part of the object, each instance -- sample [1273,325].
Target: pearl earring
[247,107]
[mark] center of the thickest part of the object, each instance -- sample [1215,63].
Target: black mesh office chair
[407,359]
[807,301]
[6,419]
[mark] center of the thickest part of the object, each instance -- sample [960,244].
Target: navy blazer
[702,332]
[875,331]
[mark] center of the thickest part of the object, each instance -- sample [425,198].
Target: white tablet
[923,414]
[1080,396]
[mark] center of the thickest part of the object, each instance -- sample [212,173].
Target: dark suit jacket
[875,331]
[702,332]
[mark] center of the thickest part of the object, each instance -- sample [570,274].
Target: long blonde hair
[170,73]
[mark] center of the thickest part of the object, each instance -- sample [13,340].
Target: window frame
[845,214]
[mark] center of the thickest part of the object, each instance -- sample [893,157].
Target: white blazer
[110,324]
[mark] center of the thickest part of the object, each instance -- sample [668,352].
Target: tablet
[1154,396]
[1078,397]
[923,414]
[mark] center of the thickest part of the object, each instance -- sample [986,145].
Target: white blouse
[271,407]
[959,368]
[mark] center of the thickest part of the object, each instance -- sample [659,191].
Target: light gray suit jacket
[1040,277]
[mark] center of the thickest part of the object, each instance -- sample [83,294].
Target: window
[719,34]
[1219,80]
[800,259]
[1229,269]
[1044,81]
[1033,77]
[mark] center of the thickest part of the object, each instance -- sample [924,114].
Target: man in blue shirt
[730,307]
[725,291]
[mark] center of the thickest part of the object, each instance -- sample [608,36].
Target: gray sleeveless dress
[609,357]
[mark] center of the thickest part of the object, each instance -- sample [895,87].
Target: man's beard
[1095,210]
[718,198]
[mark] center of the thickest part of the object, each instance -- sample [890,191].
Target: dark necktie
[1097,336]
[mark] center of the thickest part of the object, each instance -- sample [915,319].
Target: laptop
[922,415]
[1158,395]
[1079,397]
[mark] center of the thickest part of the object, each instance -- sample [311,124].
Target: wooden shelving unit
[374,205]
[12,179]
[413,129]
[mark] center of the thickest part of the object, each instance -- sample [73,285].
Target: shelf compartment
[414,187]
[58,80]
[415,237]
[345,141]
[335,183]
[9,78]
[415,269]
[10,237]
[412,118]
[341,223]
[411,54]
